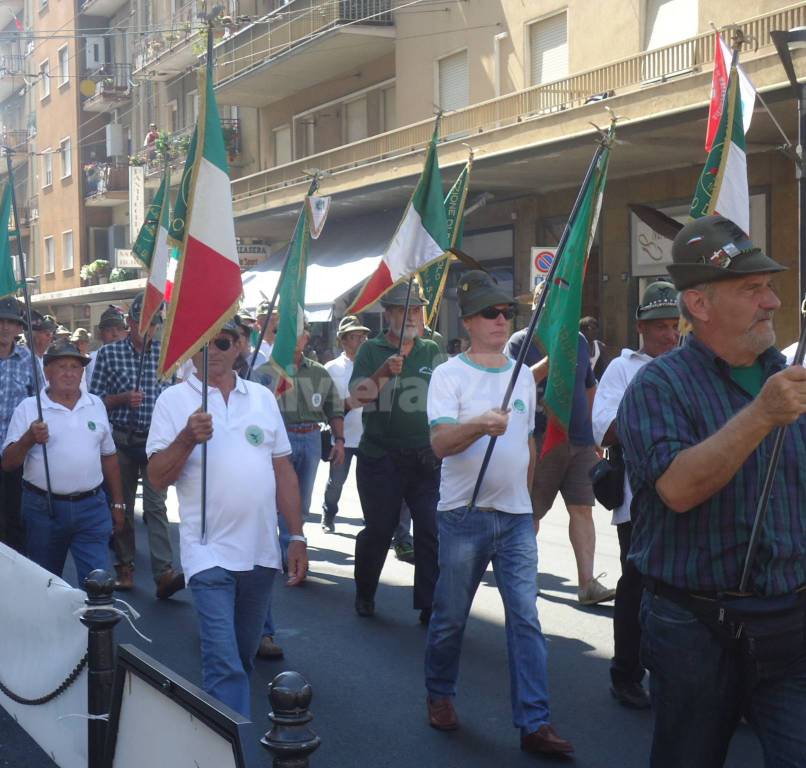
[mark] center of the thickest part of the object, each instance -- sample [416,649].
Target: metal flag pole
[28,328]
[772,468]
[204,450]
[538,312]
[311,190]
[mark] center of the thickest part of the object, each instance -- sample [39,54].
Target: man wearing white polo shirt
[81,456]
[249,478]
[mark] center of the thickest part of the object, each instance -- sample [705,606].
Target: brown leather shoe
[546,741]
[125,580]
[268,649]
[170,582]
[441,714]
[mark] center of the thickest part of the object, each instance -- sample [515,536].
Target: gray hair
[707,288]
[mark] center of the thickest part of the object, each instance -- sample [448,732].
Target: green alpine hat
[659,302]
[478,290]
[10,309]
[112,317]
[348,324]
[64,348]
[713,248]
[396,296]
[40,322]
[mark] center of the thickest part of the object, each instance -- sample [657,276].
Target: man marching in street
[697,428]
[249,480]
[81,456]
[395,461]
[657,317]
[464,411]
[111,327]
[114,380]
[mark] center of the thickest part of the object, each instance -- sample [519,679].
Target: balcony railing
[112,85]
[12,64]
[284,30]
[617,78]
[15,140]
[100,178]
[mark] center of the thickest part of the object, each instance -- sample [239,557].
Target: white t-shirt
[340,370]
[609,393]
[77,439]
[248,433]
[461,390]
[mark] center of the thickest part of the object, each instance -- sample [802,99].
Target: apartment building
[351,87]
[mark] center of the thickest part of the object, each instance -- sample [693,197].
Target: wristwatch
[118,506]
[298,537]
[338,439]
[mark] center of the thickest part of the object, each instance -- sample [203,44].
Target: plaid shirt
[16,383]
[115,371]
[675,402]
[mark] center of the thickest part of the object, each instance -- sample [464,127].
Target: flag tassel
[538,313]
[28,333]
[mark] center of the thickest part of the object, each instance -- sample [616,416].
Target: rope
[68,681]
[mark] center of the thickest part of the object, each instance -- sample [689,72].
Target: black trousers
[626,665]
[383,484]
[12,531]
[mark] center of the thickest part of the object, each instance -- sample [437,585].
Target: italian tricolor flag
[151,247]
[208,285]
[421,237]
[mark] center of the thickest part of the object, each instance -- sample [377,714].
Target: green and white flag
[722,188]
[8,281]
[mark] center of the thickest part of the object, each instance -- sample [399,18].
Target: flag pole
[314,186]
[772,468]
[538,312]
[28,330]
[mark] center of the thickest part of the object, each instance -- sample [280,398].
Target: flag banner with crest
[719,87]
[8,280]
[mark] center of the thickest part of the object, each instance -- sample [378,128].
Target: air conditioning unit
[115,140]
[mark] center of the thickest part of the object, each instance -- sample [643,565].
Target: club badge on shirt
[316,399]
[92,426]
[519,406]
[254,435]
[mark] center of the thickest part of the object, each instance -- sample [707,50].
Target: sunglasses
[223,343]
[491,313]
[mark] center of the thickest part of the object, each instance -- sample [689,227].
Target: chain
[68,681]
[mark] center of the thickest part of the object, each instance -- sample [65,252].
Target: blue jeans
[335,482]
[82,527]
[700,689]
[306,453]
[468,541]
[231,606]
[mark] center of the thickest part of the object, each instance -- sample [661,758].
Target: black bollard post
[290,739]
[100,621]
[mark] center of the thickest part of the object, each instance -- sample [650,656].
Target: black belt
[681,596]
[60,496]
[138,433]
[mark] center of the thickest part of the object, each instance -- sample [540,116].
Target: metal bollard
[100,586]
[290,739]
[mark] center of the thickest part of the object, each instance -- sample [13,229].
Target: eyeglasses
[224,343]
[491,313]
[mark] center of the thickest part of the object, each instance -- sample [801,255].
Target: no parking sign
[540,264]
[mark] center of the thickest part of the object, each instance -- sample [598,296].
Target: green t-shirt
[401,422]
[749,377]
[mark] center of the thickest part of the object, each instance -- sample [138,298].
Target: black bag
[324,435]
[607,477]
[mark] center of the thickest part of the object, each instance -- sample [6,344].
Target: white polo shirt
[77,439]
[340,370]
[248,432]
[461,390]
[609,394]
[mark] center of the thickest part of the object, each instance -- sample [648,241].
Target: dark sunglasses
[491,313]
[223,343]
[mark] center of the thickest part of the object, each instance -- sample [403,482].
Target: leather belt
[60,496]
[303,427]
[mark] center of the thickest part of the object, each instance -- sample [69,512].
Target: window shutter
[548,46]
[454,83]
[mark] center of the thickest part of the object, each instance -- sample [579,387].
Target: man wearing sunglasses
[249,480]
[464,412]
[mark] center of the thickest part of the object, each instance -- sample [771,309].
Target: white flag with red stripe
[719,86]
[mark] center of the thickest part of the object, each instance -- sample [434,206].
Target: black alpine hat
[64,348]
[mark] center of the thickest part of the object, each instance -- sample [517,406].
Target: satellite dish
[87,87]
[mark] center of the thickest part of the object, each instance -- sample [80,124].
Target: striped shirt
[16,383]
[673,403]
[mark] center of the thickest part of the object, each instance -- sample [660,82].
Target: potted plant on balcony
[85,273]
[99,270]
[136,160]
[119,274]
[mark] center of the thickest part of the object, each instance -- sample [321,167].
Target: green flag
[8,282]
[176,232]
[558,328]
[433,277]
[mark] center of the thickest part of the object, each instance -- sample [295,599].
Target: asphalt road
[367,674]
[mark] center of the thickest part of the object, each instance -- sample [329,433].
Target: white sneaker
[595,592]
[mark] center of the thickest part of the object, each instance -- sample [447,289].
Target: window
[668,21]
[453,82]
[548,49]
[47,168]
[50,255]
[66,154]
[64,66]
[282,145]
[355,119]
[67,250]
[44,80]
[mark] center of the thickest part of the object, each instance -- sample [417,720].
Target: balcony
[105,8]
[17,141]
[105,185]
[112,88]
[309,42]
[177,145]
[666,82]
[12,69]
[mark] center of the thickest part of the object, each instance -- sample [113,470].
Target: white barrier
[41,642]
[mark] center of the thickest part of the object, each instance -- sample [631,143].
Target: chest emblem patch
[254,435]
[519,406]
[316,399]
[92,426]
